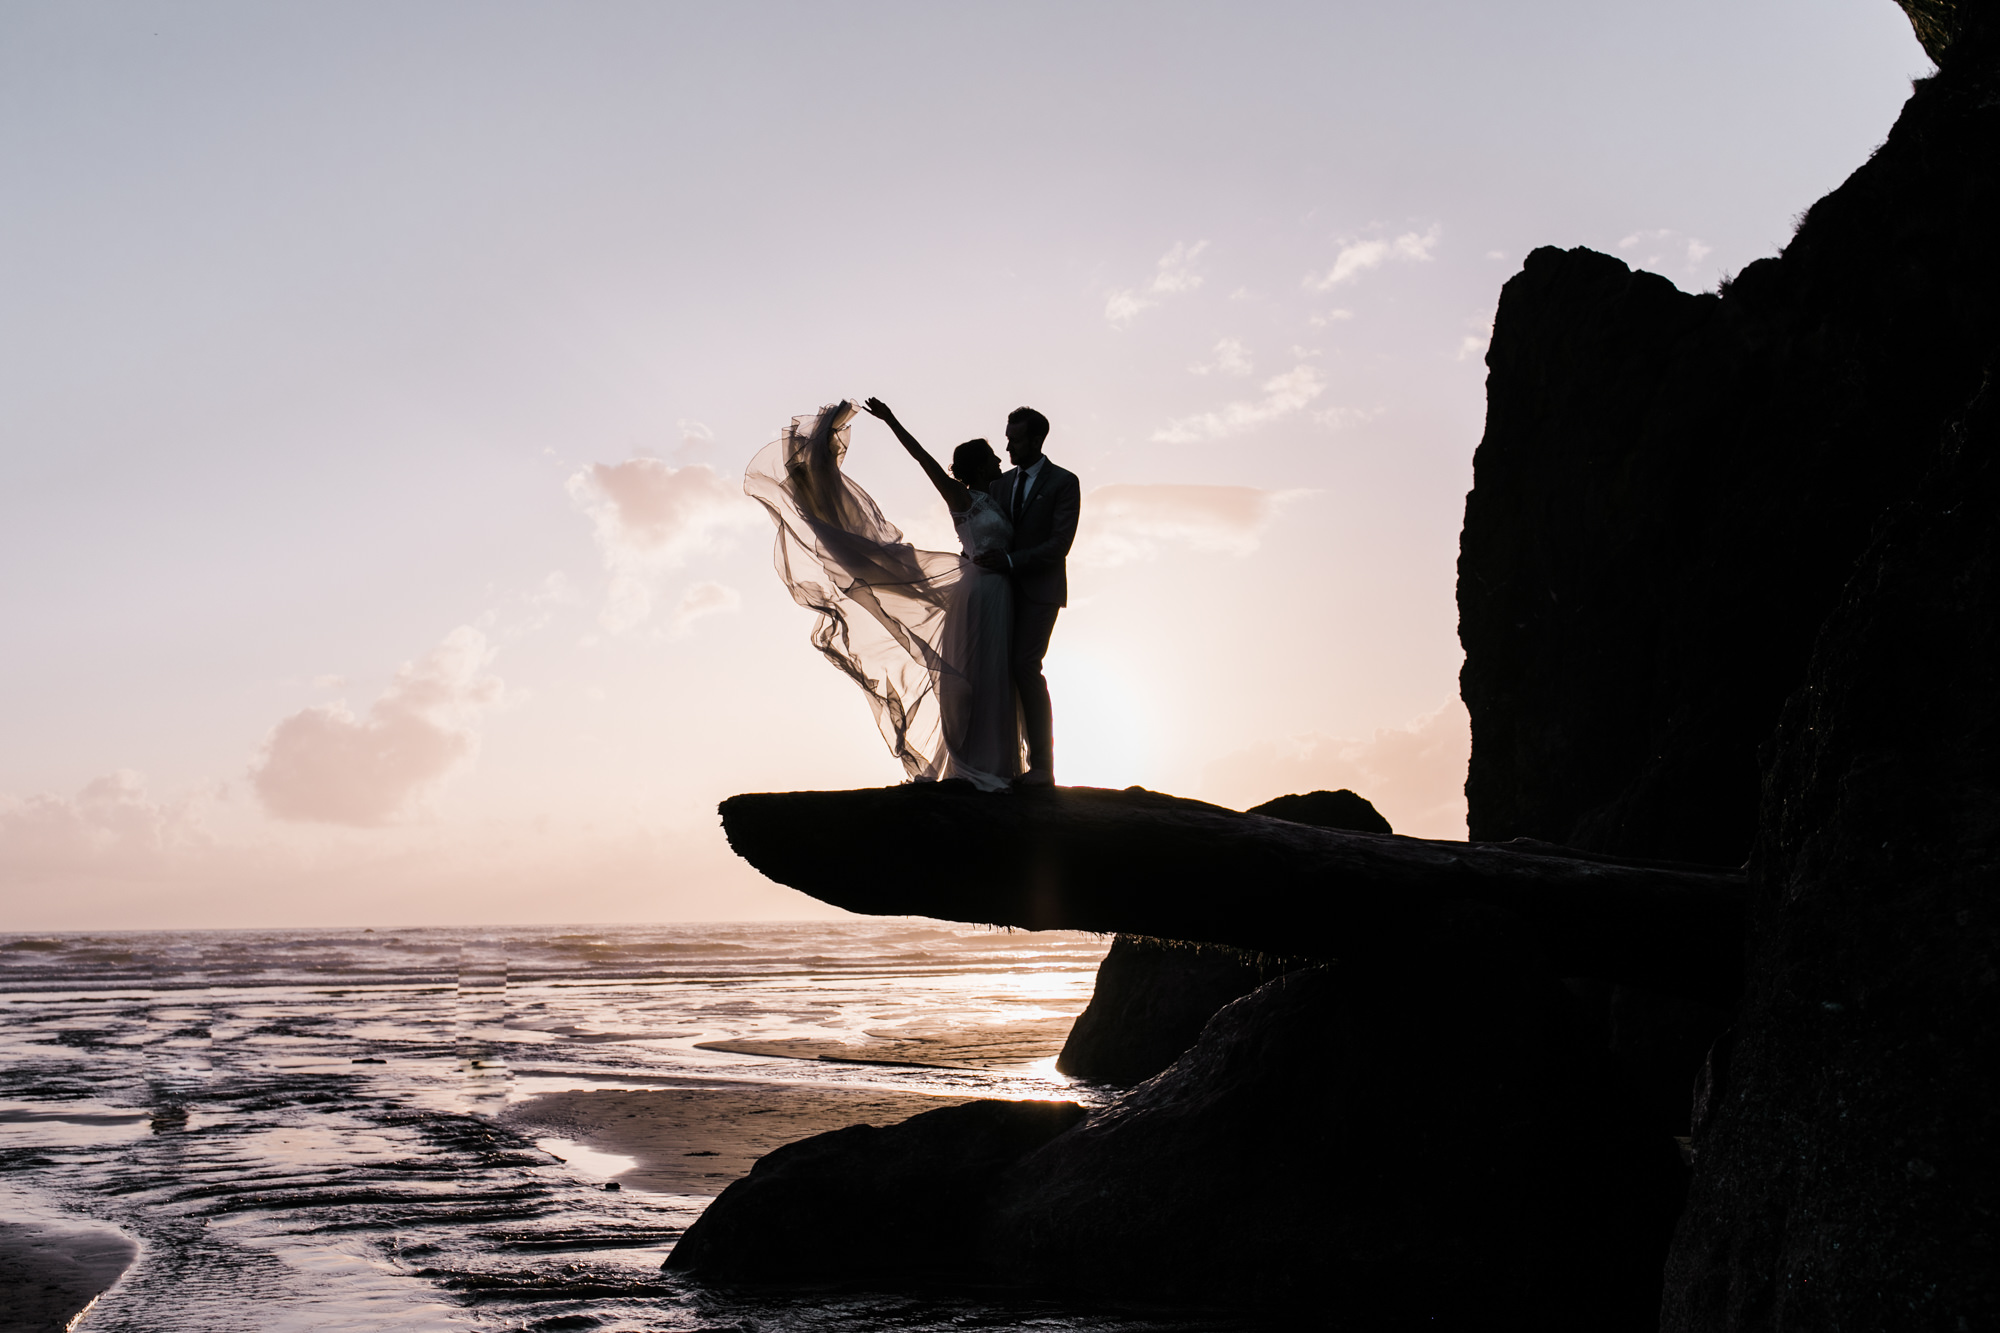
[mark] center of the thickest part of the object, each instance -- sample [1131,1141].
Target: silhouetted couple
[948,647]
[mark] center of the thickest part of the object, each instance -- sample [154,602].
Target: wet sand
[697,1139]
[297,1129]
[50,1273]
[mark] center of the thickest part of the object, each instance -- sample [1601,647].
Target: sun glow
[1104,736]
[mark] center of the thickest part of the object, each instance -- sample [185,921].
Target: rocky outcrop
[1153,997]
[1084,858]
[1425,1130]
[1848,1175]
[868,1204]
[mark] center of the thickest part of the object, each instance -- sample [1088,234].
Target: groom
[1043,500]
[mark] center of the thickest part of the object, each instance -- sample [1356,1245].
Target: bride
[923,633]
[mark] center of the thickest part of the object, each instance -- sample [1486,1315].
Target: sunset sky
[378,380]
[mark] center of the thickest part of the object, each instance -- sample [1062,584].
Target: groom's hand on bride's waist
[993,560]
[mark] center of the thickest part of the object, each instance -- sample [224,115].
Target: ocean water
[300,1128]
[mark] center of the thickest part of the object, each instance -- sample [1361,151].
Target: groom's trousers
[1033,623]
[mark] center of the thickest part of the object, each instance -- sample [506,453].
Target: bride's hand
[877,408]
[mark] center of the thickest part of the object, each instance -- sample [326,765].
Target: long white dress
[923,633]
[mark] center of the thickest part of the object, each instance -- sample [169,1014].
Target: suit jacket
[1043,531]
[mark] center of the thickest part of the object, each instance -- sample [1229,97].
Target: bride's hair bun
[973,458]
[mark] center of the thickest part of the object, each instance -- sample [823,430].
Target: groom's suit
[1044,527]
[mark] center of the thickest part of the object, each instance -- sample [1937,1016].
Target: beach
[269,1131]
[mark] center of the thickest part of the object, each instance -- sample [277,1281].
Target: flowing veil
[882,603]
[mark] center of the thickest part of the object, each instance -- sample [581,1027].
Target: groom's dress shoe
[1035,777]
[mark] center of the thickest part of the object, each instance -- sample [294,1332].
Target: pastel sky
[378,379]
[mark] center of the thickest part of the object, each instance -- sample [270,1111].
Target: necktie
[1020,494]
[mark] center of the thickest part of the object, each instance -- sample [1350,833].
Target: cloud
[705,599]
[649,508]
[1414,774]
[1122,523]
[1283,395]
[1342,418]
[109,824]
[1172,276]
[324,765]
[651,518]
[694,432]
[1357,257]
[1666,248]
[1330,317]
[1231,358]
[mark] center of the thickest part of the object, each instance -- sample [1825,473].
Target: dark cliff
[1847,1175]
[1697,516]
[1672,490]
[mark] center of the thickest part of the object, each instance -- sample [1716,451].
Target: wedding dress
[923,633]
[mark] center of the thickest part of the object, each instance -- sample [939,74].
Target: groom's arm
[1048,554]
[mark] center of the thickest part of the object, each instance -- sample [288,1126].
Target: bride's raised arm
[957,496]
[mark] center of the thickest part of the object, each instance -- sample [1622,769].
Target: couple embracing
[947,646]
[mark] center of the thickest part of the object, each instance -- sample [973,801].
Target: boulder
[1151,1001]
[1326,809]
[868,1204]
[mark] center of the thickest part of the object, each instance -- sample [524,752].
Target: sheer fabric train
[923,633]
